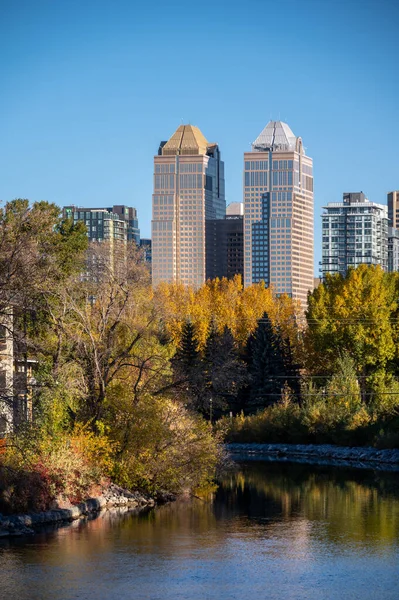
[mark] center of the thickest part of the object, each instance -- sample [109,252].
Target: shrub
[53,471]
[165,448]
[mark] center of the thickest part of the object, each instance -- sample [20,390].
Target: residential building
[278,212]
[393,249]
[129,215]
[117,222]
[355,231]
[393,209]
[188,191]
[225,244]
[114,227]
[16,377]
[6,374]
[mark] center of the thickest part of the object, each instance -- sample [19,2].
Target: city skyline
[87,89]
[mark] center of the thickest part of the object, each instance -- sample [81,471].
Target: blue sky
[89,88]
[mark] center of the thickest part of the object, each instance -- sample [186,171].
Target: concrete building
[16,378]
[393,209]
[6,374]
[225,244]
[393,249]
[117,222]
[278,212]
[114,227]
[188,190]
[355,231]
[129,215]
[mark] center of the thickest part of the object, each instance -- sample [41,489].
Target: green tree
[266,367]
[224,372]
[188,368]
[353,314]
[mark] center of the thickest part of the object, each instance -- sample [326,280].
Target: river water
[272,531]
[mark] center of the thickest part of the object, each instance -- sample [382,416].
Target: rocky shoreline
[324,454]
[114,496]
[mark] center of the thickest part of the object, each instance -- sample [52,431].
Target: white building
[355,232]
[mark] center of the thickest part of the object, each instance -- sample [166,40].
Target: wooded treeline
[128,378]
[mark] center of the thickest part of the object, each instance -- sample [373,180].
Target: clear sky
[88,89]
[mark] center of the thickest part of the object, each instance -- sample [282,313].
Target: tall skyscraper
[393,209]
[278,212]
[355,231]
[188,190]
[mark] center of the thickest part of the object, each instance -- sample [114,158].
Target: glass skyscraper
[278,212]
[188,190]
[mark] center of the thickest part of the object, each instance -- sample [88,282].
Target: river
[272,531]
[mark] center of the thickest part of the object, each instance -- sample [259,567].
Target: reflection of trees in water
[353,505]
[258,502]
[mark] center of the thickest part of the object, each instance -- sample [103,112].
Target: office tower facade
[278,212]
[188,191]
[355,231]
[225,244]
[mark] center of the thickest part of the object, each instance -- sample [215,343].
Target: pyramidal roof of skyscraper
[275,136]
[187,139]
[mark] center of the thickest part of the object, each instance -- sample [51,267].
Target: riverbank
[323,454]
[113,496]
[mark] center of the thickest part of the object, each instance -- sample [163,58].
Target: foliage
[208,380]
[222,303]
[38,473]
[353,314]
[266,365]
[165,446]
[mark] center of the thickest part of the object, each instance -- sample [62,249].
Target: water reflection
[353,506]
[278,530]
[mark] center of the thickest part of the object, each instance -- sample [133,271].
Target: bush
[321,418]
[165,448]
[53,471]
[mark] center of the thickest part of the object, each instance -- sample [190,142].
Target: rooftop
[186,140]
[275,136]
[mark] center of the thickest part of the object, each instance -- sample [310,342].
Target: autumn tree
[353,315]
[39,251]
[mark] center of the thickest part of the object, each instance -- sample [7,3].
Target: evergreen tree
[291,367]
[223,372]
[266,365]
[187,367]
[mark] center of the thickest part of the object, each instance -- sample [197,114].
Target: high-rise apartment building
[188,190]
[225,244]
[115,226]
[278,212]
[117,222]
[355,231]
[393,249]
[393,209]
[129,215]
